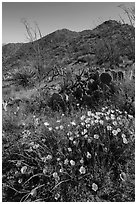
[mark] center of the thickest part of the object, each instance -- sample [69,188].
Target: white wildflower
[26,133]
[92,122]
[86,136]
[97,117]
[114,123]
[118,118]
[46,124]
[85,131]
[23,169]
[123,176]
[50,128]
[49,157]
[33,192]
[44,159]
[77,135]
[94,187]
[32,144]
[45,170]
[36,146]
[114,132]
[87,120]
[66,161]
[103,109]
[57,196]
[82,123]
[98,113]
[73,123]
[89,140]
[89,113]
[125,141]
[20,180]
[101,122]
[82,170]
[118,130]
[96,136]
[87,125]
[18,164]
[61,127]
[69,133]
[58,121]
[36,122]
[69,149]
[82,117]
[61,170]
[112,117]
[55,175]
[72,162]
[81,161]
[71,138]
[130,116]
[74,142]
[123,135]
[105,149]
[109,127]
[30,149]
[23,123]
[88,155]
[96,121]
[108,112]
[107,118]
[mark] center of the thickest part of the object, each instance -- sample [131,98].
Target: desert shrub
[125,96]
[107,50]
[25,78]
[9,122]
[37,103]
[128,87]
[63,156]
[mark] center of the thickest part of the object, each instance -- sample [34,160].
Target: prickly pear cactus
[105,78]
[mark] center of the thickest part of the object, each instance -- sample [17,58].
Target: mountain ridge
[65,46]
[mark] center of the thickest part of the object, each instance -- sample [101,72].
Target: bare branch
[33,34]
[130,12]
[40,34]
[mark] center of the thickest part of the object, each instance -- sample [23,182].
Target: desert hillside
[68,116]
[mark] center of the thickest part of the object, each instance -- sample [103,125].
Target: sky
[51,16]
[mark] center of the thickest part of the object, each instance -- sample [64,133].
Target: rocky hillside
[106,43]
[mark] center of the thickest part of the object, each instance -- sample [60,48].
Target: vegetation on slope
[86,154]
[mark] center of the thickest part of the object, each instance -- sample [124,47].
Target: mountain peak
[65,31]
[111,22]
[107,24]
